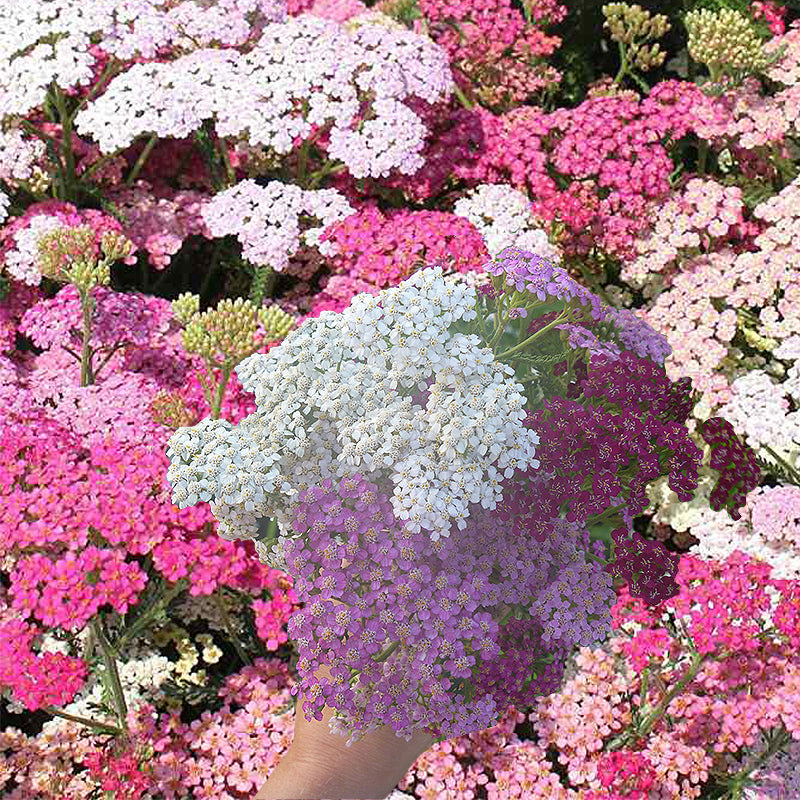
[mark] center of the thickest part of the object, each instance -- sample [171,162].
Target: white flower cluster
[5,202]
[329,406]
[18,156]
[22,262]
[305,60]
[265,219]
[502,214]
[142,27]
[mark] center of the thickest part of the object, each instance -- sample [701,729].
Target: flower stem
[783,461]
[641,730]
[557,321]
[702,157]
[111,675]
[137,167]
[144,620]
[737,781]
[89,723]
[234,639]
[229,173]
[623,65]
[68,176]
[461,97]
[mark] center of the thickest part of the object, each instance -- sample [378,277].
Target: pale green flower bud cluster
[66,254]
[171,410]
[225,335]
[725,40]
[634,27]
[115,246]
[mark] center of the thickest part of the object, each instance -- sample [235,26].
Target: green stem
[640,83]
[302,160]
[783,461]
[144,620]
[220,391]
[92,93]
[231,175]
[327,169]
[557,321]
[111,675]
[137,167]
[89,723]
[99,163]
[623,64]
[609,512]
[641,730]
[87,375]
[737,781]
[234,639]
[68,181]
[118,346]
[39,134]
[462,98]
[702,158]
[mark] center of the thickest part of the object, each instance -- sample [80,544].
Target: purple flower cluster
[416,626]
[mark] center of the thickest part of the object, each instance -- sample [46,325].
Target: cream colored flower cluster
[725,39]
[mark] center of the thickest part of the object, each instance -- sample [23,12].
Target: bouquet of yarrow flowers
[450,475]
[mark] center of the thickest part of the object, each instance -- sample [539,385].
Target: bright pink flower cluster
[600,168]
[773,13]
[120,775]
[37,680]
[496,53]
[383,249]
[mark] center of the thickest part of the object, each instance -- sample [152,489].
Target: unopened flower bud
[628,23]
[86,274]
[227,334]
[185,307]
[116,246]
[725,39]
[61,248]
[276,322]
[170,409]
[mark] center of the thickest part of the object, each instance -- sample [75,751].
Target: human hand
[318,764]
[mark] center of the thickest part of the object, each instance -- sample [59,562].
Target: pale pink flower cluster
[158,221]
[759,410]
[308,61]
[337,10]
[161,98]
[754,119]
[787,70]
[18,156]
[266,219]
[142,27]
[44,41]
[779,244]
[703,212]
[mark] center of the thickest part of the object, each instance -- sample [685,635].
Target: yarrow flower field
[452,345]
